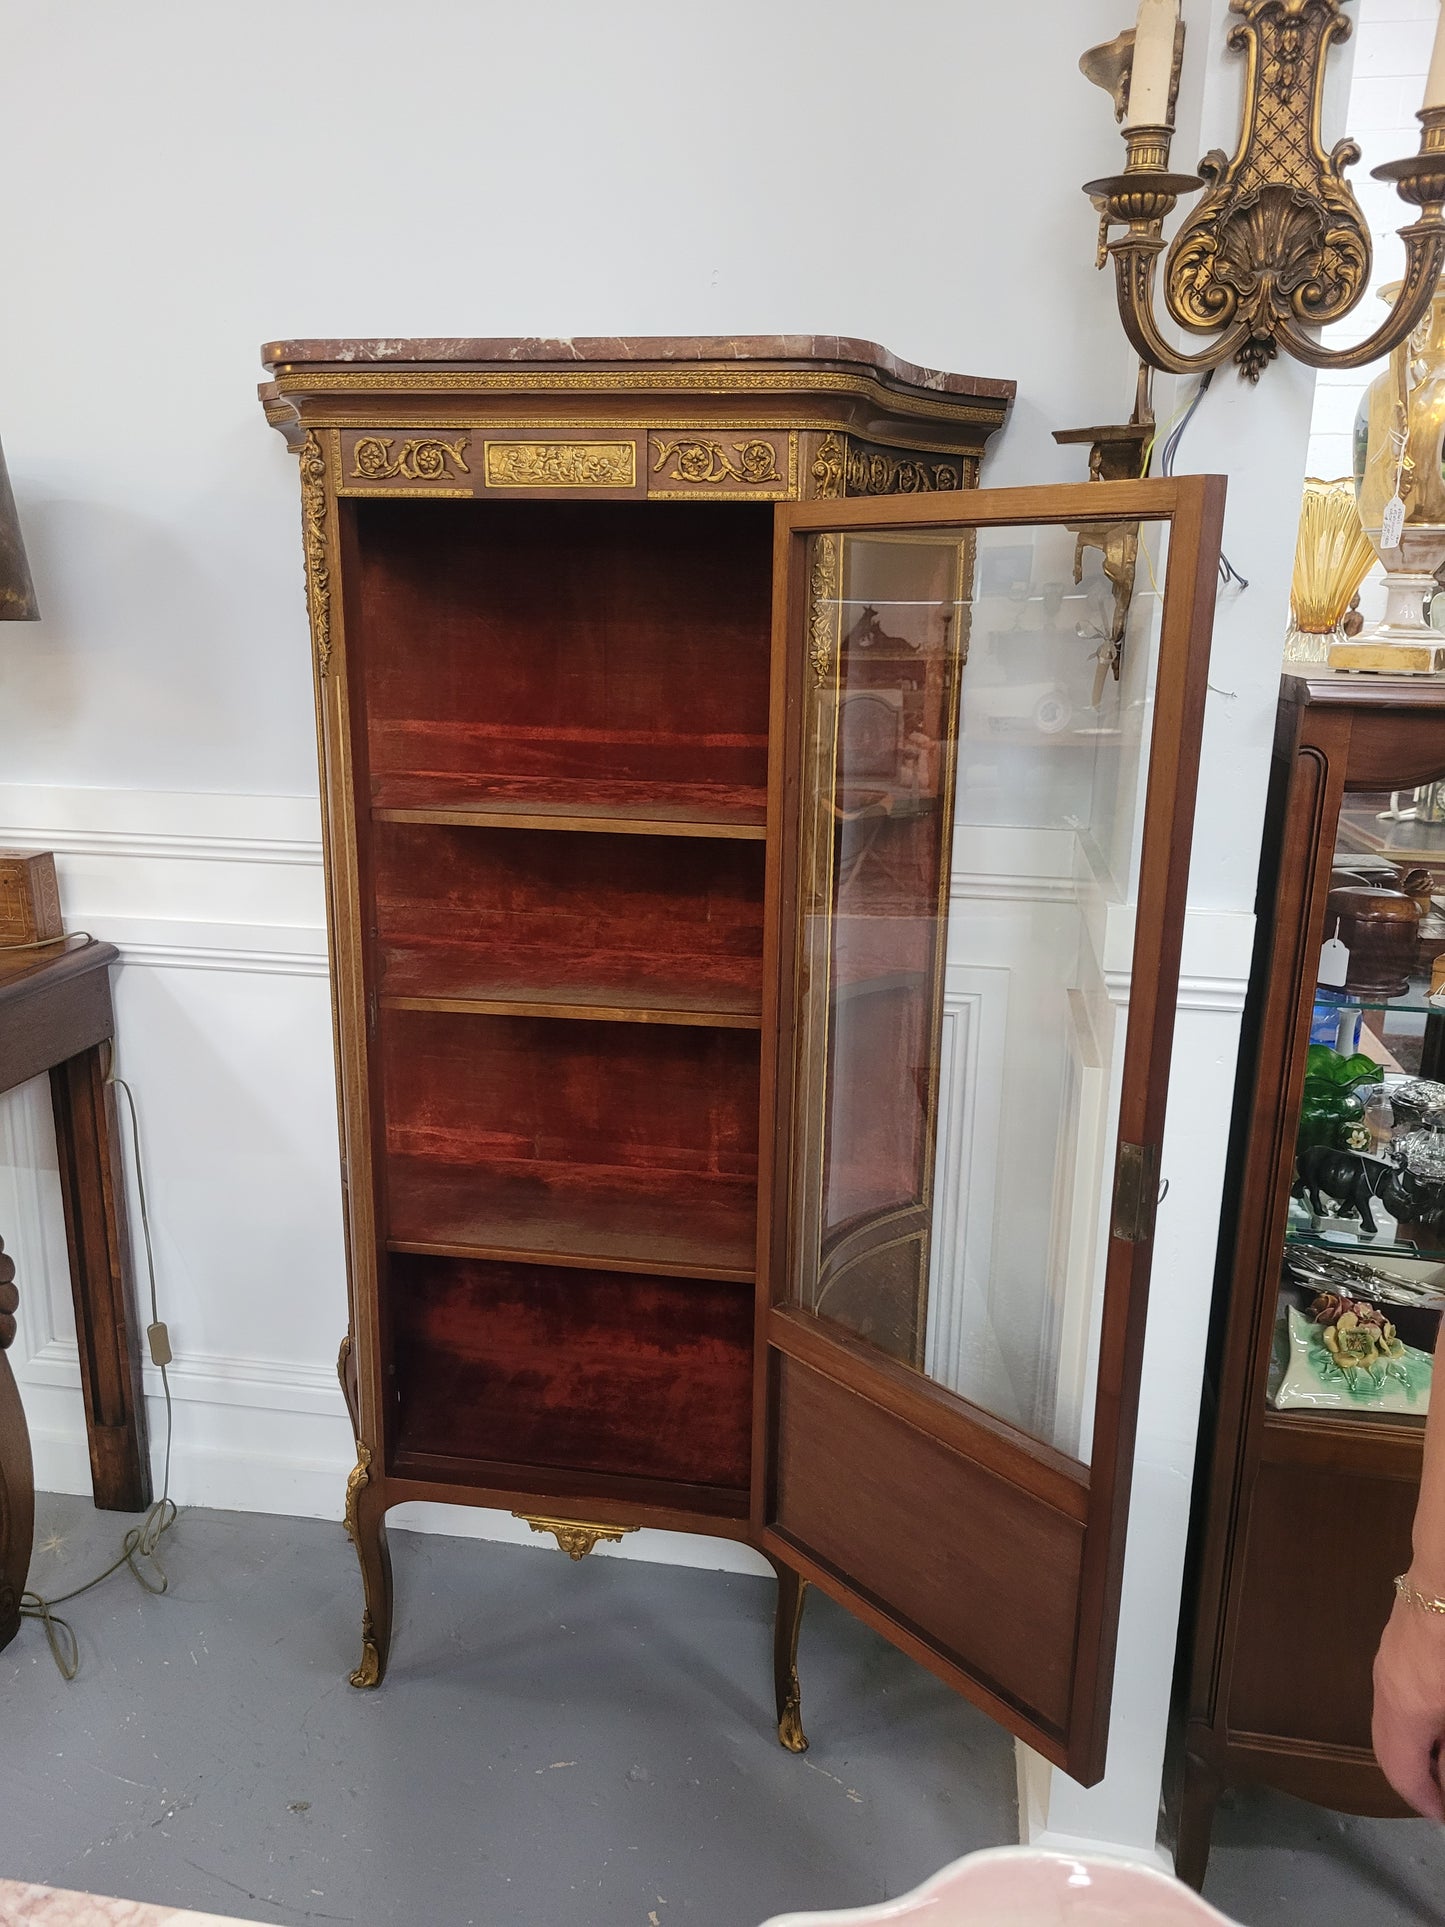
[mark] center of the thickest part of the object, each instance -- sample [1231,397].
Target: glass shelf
[1348,1238]
[1362,832]
[1414,1001]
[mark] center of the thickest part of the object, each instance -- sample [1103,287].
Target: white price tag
[1334,962]
[1392,523]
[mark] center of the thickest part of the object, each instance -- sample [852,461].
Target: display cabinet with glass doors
[1332,1261]
[740,837]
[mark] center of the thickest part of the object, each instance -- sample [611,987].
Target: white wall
[191,181]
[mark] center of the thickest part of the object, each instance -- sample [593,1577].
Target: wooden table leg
[92,1183]
[17,1489]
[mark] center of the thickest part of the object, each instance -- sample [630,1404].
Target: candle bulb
[1435,84]
[1153,65]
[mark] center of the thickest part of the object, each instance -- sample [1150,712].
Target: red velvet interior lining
[644,1097]
[601,1372]
[487,913]
[611,1142]
[663,1221]
[553,640]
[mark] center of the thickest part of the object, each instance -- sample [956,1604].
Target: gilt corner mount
[1276,247]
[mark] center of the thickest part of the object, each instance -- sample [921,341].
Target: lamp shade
[17,593]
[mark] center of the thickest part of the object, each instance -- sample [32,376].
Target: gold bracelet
[1413,1596]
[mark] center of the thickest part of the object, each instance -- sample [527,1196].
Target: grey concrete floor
[556,1745]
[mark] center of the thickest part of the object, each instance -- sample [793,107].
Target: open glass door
[979,901]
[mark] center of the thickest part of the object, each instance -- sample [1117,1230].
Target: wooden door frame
[1097,1494]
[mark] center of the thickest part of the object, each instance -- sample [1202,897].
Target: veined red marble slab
[493,350]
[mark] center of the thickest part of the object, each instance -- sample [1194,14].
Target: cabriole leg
[17,1489]
[792,1590]
[1198,1799]
[366,1527]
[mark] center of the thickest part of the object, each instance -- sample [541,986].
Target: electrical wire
[76,937]
[1146,454]
[1174,435]
[140,1546]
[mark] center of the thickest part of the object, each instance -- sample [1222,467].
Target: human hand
[1409,1723]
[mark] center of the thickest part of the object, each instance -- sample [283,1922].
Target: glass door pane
[976,745]
[1362,1272]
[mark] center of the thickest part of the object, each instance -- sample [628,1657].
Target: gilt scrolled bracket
[1277,246]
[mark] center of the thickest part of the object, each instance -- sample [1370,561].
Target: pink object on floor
[1022,1887]
[22,1904]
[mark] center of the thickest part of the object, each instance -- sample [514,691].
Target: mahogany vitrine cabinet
[737,844]
[1326,1305]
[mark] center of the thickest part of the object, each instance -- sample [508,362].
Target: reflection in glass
[975,750]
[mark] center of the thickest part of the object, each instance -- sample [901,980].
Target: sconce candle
[1153,64]
[1435,81]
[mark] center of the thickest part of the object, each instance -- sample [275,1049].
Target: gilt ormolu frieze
[842,465]
[561,465]
[726,464]
[390,463]
[418,459]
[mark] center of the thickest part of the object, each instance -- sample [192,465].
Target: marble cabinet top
[643,348]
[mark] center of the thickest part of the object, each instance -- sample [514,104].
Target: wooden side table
[56,1015]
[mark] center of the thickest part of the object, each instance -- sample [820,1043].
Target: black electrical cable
[1175,435]
[1227,571]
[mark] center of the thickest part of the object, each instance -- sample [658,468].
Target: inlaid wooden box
[29,899]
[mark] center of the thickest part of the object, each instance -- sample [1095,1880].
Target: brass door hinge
[1136,1192]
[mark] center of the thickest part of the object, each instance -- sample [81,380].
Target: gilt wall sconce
[1276,247]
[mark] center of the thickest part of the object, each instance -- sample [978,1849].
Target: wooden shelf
[462,978]
[654,1501]
[611,808]
[669,1224]
[530,1002]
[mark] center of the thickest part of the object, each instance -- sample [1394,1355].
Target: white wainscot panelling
[1013,925]
[223,1031]
[216,881]
[1065,1352]
[970,1103]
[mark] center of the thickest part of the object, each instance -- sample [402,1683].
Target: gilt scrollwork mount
[421,458]
[1277,246]
[576,1537]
